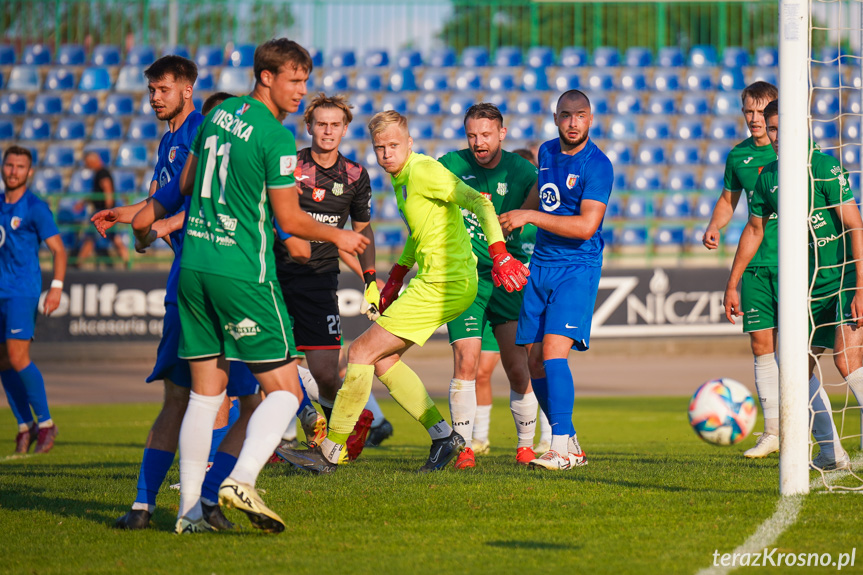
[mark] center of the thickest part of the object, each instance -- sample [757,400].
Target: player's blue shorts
[241,381]
[18,317]
[558,300]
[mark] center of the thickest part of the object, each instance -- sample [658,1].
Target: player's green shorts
[489,343]
[759,297]
[425,306]
[492,305]
[831,310]
[245,321]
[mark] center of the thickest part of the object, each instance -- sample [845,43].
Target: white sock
[46,423]
[481,422]
[263,433]
[560,443]
[544,428]
[462,407]
[196,436]
[290,433]
[823,428]
[440,430]
[523,408]
[855,383]
[309,384]
[767,384]
[372,405]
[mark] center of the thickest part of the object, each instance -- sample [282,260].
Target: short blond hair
[323,101]
[383,120]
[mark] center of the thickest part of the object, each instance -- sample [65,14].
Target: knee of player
[536,367]
[18,359]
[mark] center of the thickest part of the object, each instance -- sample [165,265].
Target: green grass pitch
[653,499]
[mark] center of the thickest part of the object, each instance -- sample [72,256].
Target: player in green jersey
[837,289]
[509,181]
[760,280]
[240,173]
[429,198]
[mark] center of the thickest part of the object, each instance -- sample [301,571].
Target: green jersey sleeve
[280,160]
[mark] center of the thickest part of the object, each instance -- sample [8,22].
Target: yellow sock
[350,401]
[408,390]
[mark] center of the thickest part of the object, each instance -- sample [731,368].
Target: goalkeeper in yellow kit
[429,199]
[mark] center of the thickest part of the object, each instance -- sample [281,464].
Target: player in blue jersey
[575,179]
[25,222]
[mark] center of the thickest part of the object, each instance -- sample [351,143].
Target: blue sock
[223,464]
[16,395]
[154,467]
[35,386]
[305,400]
[540,390]
[218,436]
[234,413]
[561,396]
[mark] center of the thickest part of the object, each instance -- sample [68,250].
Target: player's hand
[104,220]
[143,242]
[162,228]
[393,286]
[514,220]
[711,238]
[351,242]
[52,300]
[732,304]
[857,307]
[506,271]
[371,296]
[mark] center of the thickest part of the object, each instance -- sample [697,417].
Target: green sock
[350,401]
[408,390]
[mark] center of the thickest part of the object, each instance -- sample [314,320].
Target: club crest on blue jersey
[172,154]
[16,222]
[571,180]
[242,110]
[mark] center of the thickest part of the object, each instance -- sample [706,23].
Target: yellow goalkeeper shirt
[429,197]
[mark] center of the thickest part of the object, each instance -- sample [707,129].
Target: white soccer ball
[722,412]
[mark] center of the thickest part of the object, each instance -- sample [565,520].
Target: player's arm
[104,220]
[106,184]
[722,214]
[581,226]
[142,224]
[187,176]
[750,241]
[531,202]
[293,220]
[58,255]
[300,249]
[849,214]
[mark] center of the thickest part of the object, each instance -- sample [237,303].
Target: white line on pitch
[18,456]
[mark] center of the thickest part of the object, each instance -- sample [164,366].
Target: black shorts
[314,306]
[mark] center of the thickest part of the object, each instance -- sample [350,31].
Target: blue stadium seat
[661,104]
[205,82]
[850,127]
[7,129]
[101,149]
[389,210]
[609,235]
[368,81]
[378,180]
[833,56]
[242,56]
[178,50]
[540,57]
[698,80]
[240,81]
[105,55]
[522,129]
[501,80]
[670,57]
[12,104]
[614,208]
[402,80]
[459,103]
[7,55]
[628,104]
[606,56]
[507,56]
[573,57]
[141,56]
[409,58]
[442,58]
[349,151]
[713,179]
[620,153]
[828,78]
[732,233]
[48,182]
[690,129]
[422,129]
[24,79]
[95,79]
[600,102]
[435,80]
[633,79]
[131,79]
[647,180]
[35,128]
[125,181]
[210,56]
[658,128]
[680,180]
[621,182]
[36,55]
[850,155]
[632,237]
[638,57]
[726,104]
[81,182]
[566,80]
[59,156]
[143,129]
[637,207]
[723,129]
[768,75]
[84,104]
[825,103]
[356,131]
[528,103]
[650,154]
[333,80]
[376,58]
[343,58]
[395,102]
[452,129]
[598,79]
[467,79]
[48,105]
[702,56]
[428,105]
[60,79]
[666,80]
[735,57]
[622,129]
[731,80]
[716,153]
[363,104]
[685,154]
[70,129]
[824,130]
[695,104]
[766,57]
[119,105]
[668,236]
[597,130]
[474,56]
[534,79]
[317,57]
[704,203]
[71,55]
[133,155]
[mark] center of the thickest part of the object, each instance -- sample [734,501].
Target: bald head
[574,98]
[573,119]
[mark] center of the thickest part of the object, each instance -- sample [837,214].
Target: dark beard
[572,143]
[173,113]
